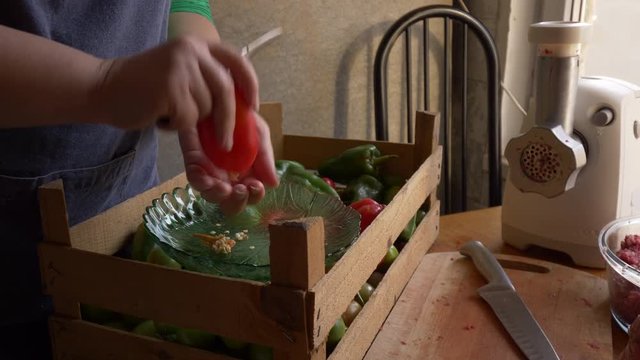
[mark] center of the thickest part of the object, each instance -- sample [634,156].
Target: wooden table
[485,225]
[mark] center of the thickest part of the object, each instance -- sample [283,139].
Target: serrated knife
[507,304]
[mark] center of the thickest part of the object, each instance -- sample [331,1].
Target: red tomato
[368,209]
[245,141]
[360,203]
[329,182]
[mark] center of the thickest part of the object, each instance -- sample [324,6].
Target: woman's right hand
[186,80]
[183,81]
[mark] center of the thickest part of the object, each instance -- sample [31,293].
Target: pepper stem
[380,159]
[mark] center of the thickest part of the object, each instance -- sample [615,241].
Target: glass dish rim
[612,260]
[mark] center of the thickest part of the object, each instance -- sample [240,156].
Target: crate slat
[272,113]
[79,340]
[53,210]
[336,289]
[107,232]
[366,325]
[228,307]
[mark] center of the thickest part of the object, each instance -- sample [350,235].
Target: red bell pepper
[368,210]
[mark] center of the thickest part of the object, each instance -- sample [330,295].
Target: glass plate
[174,218]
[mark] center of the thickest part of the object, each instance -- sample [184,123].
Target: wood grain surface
[440,315]
[485,225]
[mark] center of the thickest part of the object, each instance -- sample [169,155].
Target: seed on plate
[219,243]
[252,247]
[240,236]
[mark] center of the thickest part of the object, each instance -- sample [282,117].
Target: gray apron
[100,165]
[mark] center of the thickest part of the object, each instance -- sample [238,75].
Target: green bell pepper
[411,227]
[296,172]
[392,180]
[419,216]
[408,230]
[283,165]
[354,162]
[389,193]
[366,186]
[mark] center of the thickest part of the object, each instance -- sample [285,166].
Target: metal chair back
[403,26]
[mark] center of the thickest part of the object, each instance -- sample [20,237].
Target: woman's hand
[632,349]
[214,183]
[183,81]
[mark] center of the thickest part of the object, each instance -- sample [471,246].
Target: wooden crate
[293,314]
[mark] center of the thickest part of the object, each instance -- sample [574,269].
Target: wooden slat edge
[222,306]
[428,123]
[336,289]
[296,250]
[272,114]
[76,339]
[99,234]
[297,258]
[427,133]
[366,325]
[53,213]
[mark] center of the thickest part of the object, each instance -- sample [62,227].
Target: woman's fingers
[236,201]
[213,183]
[200,92]
[256,190]
[223,103]
[241,71]
[264,165]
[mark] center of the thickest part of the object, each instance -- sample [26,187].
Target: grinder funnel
[547,159]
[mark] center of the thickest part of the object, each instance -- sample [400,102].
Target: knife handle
[487,264]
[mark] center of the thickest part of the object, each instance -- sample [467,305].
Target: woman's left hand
[214,184]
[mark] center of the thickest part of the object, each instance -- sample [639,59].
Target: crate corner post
[272,114]
[56,234]
[427,142]
[298,263]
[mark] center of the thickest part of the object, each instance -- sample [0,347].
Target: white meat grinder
[576,169]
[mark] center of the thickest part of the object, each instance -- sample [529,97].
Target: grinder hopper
[547,159]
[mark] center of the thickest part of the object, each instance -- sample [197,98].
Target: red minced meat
[630,250]
[625,296]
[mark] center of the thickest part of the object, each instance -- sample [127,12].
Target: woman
[82,85]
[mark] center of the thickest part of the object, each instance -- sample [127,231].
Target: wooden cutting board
[440,316]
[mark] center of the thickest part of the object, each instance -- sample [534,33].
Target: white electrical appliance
[578,167]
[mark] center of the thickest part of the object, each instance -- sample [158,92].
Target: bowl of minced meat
[619,243]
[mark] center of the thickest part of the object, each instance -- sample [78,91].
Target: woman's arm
[192,18]
[186,23]
[43,82]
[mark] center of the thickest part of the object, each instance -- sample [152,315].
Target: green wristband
[200,7]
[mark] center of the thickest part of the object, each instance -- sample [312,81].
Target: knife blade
[512,312]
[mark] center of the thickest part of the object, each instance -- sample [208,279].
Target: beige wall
[320,68]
